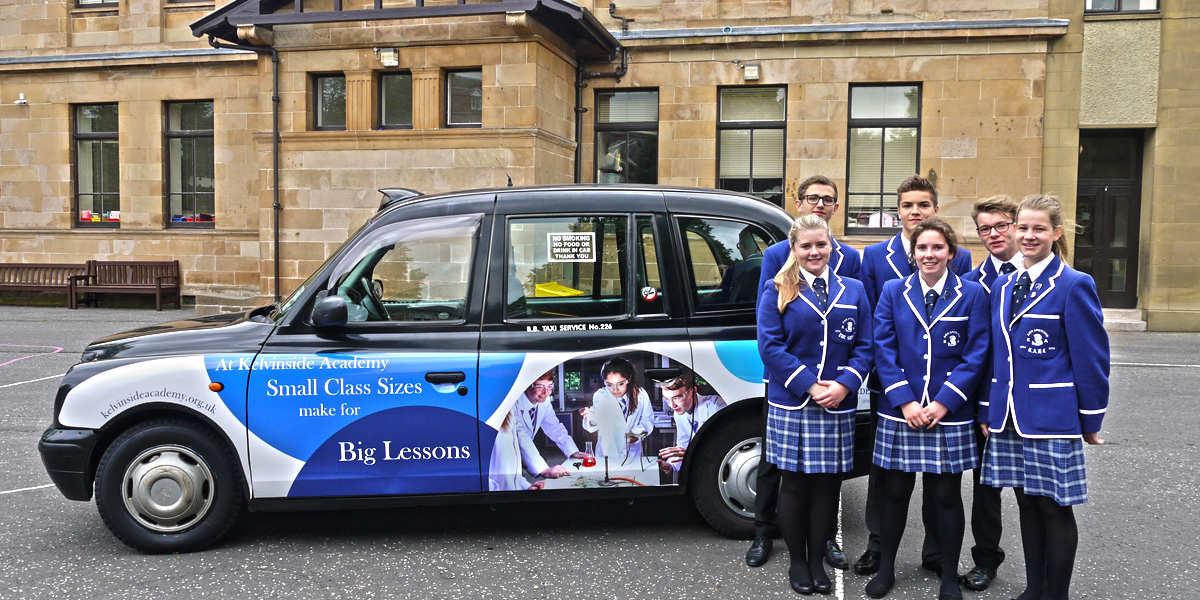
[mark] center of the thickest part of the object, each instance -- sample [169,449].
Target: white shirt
[1036,270]
[937,287]
[687,424]
[1017,260]
[809,278]
[540,415]
[613,433]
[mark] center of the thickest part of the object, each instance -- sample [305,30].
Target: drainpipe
[276,207]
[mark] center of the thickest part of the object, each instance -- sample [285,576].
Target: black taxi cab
[558,342]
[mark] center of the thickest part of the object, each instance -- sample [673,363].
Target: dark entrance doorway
[1108,210]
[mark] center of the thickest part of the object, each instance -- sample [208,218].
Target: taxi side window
[566,267]
[412,271]
[724,262]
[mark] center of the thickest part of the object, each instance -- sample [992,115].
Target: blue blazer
[1051,361]
[886,261]
[985,274]
[843,260]
[943,360]
[804,344]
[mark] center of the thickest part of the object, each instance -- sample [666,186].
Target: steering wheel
[372,302]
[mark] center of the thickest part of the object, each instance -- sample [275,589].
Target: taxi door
[581,317]
[384,404]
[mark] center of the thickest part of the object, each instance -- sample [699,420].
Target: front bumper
[66,454]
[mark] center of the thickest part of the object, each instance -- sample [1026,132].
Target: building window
[395,101]
[329,101]
[94,3]
[1111,6]
[191,197]
[750,141]
[627,136]
[97,168]
[464,98]
[885,135]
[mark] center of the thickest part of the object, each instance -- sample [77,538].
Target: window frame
[686,266]
[446,112]
[626,265]
[1120,10]
[624,127]
[186,134]
[379,94]
[76,174]
[884,123]
[752,126]
[317,104]
[97,4]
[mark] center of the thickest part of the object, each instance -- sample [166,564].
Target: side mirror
[330,311]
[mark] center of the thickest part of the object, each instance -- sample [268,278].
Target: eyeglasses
[823,200]
[999,227]
[548,387]
[616,385]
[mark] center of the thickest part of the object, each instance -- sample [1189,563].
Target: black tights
[1049,536]
[947,494]
[807,517]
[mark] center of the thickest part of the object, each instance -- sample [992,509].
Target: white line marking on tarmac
[29,381]
[1128,364]
[839,583]
[52,349]
[36,487]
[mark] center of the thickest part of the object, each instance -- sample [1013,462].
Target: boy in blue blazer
[817,195]
[916,200]
[995,223]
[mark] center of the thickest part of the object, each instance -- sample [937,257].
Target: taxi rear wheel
[723,477]
[168,486]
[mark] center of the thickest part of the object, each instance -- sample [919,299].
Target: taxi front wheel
[724,477]
[168,486]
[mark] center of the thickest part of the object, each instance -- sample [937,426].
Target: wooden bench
[39,277]
[129,277]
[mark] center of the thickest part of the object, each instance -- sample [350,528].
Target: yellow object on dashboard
[554,289]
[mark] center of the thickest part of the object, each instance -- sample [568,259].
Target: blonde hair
[788,281]
[1053,209]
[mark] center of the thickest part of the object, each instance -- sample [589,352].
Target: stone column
[428,98]
[360,101]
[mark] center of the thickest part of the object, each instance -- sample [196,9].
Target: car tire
[169,486]
[723,477]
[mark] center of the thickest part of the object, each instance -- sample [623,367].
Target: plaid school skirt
[810,440]
[943,449]
[1051,467]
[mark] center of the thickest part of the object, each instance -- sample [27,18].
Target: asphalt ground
[1139,534]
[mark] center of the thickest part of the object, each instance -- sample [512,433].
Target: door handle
[661,375]
[443,377]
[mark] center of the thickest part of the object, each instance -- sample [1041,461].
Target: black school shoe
[977,579]
[834,556]
[759,552]
[933,567]
[868,563]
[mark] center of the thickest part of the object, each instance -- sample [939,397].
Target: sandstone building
[150,128]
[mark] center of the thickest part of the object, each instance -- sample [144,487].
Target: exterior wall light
[388,57]
[750,72]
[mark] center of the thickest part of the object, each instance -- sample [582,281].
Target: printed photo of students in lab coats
[599,417]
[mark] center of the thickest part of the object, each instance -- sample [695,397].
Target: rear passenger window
[724,262]
[567,267]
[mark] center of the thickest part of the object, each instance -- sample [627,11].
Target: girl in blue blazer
[814,336]
[1049,392]
[931,349]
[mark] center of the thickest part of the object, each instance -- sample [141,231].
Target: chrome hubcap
[739,475]
[168,488]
